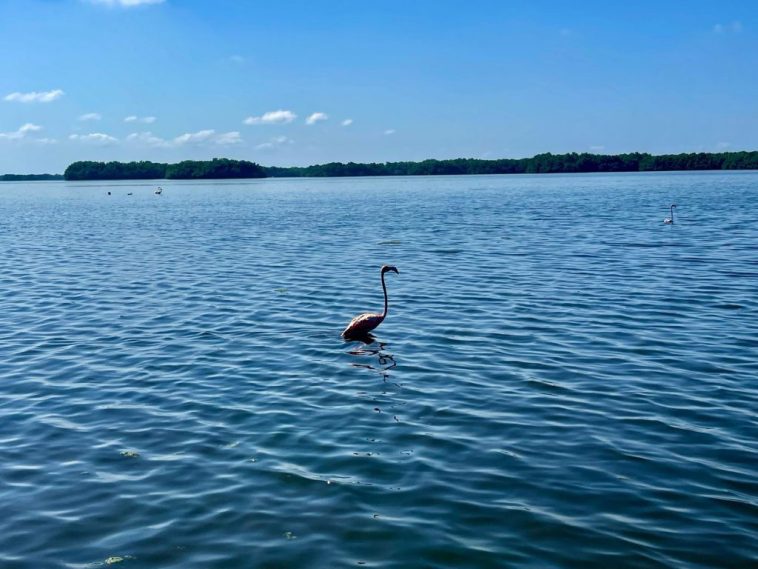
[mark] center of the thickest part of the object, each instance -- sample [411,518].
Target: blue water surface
[563,381]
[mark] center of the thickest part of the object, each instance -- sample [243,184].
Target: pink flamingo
[363,324]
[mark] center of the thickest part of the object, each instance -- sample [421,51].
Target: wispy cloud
[90,117]
[274,143]
[272,117]
[97,138]
[35,96]
[734,27]
[194,137]
[22,135]
[144,120]
[148,139]
[597,147]
[723,145]
[389,131]
[347,122]
[236,58]
[228,138]
[201,137]
[21,132]
[125,3]
[208,137]
[316,117]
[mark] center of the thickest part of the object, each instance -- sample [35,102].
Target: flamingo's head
[387,268]
[673,205]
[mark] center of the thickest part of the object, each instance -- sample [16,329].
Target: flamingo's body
[364,323]
[159,191]
[670,219]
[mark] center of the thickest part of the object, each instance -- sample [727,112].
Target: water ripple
[562,381]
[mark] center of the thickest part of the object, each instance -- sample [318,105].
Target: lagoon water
[562,381]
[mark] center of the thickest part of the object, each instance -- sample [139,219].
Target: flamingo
[364,323]
[670,219]
[159,191]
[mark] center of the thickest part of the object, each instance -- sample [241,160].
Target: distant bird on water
[670,219]
[363,324]
[159,191]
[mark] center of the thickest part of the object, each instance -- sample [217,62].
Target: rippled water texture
[562,380]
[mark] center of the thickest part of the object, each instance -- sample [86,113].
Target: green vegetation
[216,168]
[189,169]
[219,168]
[540,164]
[29,177]
[88,170]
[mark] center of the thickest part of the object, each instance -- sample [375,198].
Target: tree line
[29,177]
[540,164]
[146,170]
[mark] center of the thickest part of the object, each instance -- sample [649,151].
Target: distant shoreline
[29,177]
[572,163]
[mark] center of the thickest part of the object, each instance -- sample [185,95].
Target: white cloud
[315,117]
[35,97]
[147,139]
[228,138]
[275,142]
[597,147]
[347,122]
[97,138]
[90,117]
[194,137]
[208,136]
[21,132]
[272,117]
[29,127]
[389,131]
[144,120]
[125,3]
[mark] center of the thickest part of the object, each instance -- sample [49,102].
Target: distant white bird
[159,191]
[670,219]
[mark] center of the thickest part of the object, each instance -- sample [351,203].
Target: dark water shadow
[363,337]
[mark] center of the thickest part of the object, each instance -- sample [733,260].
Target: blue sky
[383,80]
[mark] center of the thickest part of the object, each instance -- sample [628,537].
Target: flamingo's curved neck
[672,213]
[384,288]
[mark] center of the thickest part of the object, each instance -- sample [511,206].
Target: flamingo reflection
[371,348]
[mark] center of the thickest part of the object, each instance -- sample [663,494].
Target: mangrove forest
[547,163]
